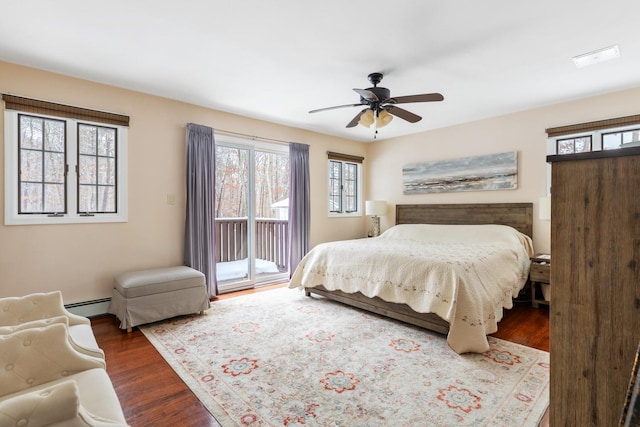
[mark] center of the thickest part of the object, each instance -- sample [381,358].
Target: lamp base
[375,226]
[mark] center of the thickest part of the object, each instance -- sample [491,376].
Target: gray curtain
[299,206]
[199,230]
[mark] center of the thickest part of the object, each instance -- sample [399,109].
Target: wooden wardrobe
[595,280]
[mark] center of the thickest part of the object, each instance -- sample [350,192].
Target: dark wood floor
[152,394]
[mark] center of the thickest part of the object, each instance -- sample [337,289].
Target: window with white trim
[61,170]
[345,185]
[597,140]
[601,135]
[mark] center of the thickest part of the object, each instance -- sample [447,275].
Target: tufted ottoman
[151,295]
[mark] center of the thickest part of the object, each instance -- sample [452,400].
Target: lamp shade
[383,119]
[375,207]
[366,119]
[544,209]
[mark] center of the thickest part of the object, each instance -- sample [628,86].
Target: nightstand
[539,274]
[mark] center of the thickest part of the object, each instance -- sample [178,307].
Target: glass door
[271,220]
[233,265]
[252,189]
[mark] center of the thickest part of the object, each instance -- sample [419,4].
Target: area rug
[280,358]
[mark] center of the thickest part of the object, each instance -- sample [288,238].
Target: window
[344,184]
[613,140]
[97,148]
[63,170]
[609,134]
[42,165]
[596,140]
[574,145]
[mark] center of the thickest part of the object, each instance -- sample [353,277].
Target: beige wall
[81,260]
[523,132]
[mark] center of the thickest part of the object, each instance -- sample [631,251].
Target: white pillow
[444,233]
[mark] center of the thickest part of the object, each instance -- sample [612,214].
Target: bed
[422,273]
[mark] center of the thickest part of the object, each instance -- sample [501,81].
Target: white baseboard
[90,308]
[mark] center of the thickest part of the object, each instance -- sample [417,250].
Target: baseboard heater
[91,308]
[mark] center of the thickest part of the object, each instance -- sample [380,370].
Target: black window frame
[43,211]
[352,197]
[339,203]
[335,182]
[574,138]
[621,132]
[97,157]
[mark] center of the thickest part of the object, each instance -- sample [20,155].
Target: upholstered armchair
[45,381]
[58,405]
[42,309]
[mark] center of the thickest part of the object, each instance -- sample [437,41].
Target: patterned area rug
[279,358]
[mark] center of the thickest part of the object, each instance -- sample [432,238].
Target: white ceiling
[277,59]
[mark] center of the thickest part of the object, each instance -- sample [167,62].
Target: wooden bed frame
[516,215]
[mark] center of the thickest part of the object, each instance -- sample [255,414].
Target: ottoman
[147,296]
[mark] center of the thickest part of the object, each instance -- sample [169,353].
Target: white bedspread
[466,274]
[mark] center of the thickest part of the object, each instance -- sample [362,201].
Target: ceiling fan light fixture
[384,118]
[366,119]
[380,108]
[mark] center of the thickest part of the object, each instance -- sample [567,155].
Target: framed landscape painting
[478,173]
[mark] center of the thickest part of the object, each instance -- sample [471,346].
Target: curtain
[299,207]
[199,233]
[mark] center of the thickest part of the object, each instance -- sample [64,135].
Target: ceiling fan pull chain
[375,124]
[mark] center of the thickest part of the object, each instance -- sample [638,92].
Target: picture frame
[477,173]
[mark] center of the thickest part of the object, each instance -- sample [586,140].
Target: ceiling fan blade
[356,119]
[426,97]
[366,94]
[403,114]
[334,108]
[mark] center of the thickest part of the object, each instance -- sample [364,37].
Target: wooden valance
[591,126]
[344,157]
[37,106]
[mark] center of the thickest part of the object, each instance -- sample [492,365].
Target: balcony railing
[272,240]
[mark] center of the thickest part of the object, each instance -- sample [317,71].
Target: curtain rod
[244,135]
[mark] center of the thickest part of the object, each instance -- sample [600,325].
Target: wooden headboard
[516,215]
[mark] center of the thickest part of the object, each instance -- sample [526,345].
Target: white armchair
[41,309]
[45,381]
[55,406]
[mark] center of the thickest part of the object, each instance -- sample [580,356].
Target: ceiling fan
[381,107]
